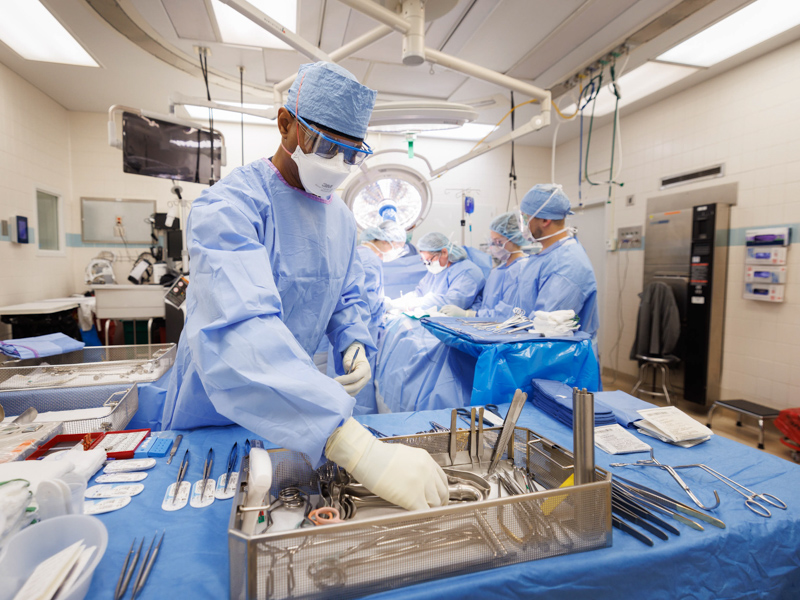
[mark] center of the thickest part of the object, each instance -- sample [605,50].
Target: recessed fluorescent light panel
[31,31]
[238,30]
[641,82]
[228,116]
[755,23]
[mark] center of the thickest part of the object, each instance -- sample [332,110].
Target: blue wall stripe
[74,240]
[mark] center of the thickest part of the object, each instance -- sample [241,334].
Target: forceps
[653,462]
[749,498]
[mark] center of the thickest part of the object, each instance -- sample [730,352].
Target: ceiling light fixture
[228,116]
[416,116]
[32,31]
[745,28]
[639,83]
[238,30]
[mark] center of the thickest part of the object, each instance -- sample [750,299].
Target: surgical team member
[451,278]
[379,244]
[560,277]
[274,268]
[498,295]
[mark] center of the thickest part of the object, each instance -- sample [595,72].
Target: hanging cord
[241,104]
[615,90]
[591,88]
[512,173]
[204,68]
[591,126]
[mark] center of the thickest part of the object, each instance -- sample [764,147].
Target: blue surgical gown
[560,278]
[458,284]
[373,295]
[497,301]
[273,270]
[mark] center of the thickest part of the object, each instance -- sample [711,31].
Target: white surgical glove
[451,310]
[404,476]
[353,381]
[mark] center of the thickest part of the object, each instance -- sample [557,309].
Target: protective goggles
[434,258]
[316,142]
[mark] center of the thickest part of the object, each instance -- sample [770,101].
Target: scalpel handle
[174,448]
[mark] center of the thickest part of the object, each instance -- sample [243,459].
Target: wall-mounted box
[775,255]
[768,236]
[765,293]
[754,274]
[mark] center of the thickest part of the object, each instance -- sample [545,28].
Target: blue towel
[555,399]
[43,345]
[624,406]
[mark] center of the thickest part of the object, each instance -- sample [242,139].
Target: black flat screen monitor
[168,150]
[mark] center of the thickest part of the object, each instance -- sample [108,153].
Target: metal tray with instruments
[367,554]
[82,410]
[90,366]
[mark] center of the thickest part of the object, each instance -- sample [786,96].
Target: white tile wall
[748,119]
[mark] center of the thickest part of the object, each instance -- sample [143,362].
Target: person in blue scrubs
[274,267]
[451,279]
[380,244]
[560,276]
[496,302]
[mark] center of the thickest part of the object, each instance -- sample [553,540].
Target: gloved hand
[451,310]
[354,381]
[404,476]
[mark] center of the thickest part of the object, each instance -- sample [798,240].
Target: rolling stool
[751,409]
[656,364]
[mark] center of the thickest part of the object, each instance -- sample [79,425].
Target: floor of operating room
[724,422]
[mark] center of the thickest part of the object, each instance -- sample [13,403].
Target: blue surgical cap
[331,97]
[387,231]
[435,242]
[507,225]
[537,198]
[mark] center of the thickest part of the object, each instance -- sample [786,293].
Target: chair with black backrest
[658,330]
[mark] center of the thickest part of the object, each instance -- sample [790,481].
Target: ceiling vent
[693,176]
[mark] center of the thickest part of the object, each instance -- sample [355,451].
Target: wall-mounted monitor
[159,148]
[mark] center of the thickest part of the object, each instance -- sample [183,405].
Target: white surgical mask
[435,268]
[500,252]
[320,176]
[387,256]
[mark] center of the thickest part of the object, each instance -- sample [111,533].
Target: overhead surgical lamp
[377,188]
[415,116]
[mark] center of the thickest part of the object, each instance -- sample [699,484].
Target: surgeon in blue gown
[560,276]
[274,268]
[451,279]
[379,244]
[496,303]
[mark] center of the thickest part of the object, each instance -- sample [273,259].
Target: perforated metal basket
[90,366]
[110,407]
[366,556]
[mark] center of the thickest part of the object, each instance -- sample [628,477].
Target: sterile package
[614,439]
[670,424]
[18,442]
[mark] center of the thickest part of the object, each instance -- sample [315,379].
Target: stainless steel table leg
[149,331]
[761,433]
[106,328]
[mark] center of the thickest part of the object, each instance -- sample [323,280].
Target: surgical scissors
[749,500]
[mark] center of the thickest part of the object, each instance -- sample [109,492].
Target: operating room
[332,259]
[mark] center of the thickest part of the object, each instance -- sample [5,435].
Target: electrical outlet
[611,244]
[630,238]
[629,201]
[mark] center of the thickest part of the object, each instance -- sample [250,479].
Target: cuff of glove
[348,443]
[470,313]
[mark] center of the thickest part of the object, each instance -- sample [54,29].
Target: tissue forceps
[653,462]
[750,498]
[181,474]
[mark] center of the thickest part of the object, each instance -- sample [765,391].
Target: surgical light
[404,188]
[745,28]
[418,116]
[32,31]
[639,83]
[228,116]
[238,30]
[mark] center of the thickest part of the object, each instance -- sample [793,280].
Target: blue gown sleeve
[350,319]
[253,369]
[557,292]
[462,289]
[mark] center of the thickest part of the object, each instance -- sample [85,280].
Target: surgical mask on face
[500,252]
[320,176]
[435,268]
[386,256]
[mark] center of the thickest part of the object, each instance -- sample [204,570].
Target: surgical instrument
[140,584]
[143,567]
[125,575]
[622,526]
[174,448]
[653,462]
[233,459]
[181,474]
[465,416]
[353,362]
[207,471]
[325,515]
[624,513]
[374,431]
[508,428]
[634,505]
[749,500]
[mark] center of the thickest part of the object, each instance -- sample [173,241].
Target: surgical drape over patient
[273,270]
